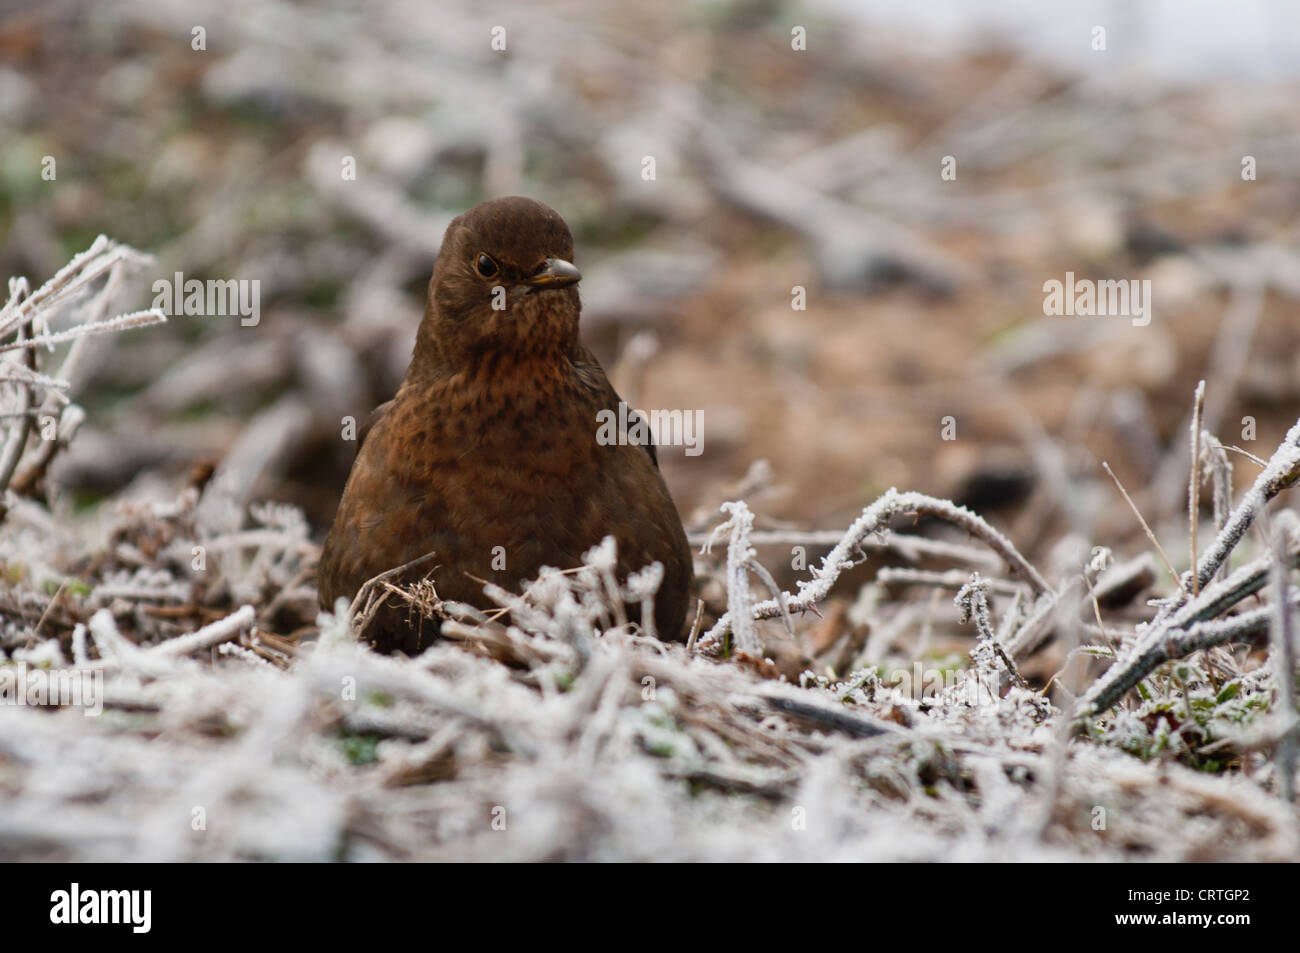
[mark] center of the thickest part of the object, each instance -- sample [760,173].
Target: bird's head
[504,281]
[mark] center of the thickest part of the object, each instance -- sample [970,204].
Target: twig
[695,626]
[953,579]
[1282,472]
[1250,627]
[223,630]
[739,555]
[1284,666]
[1145,528]
[1182,625]
[874,519]
[13,448]
[1221,475]
[1248,454]
[834,718]
[123,322]
[974,604]
[1194,485]
[913,548]
[366,595]
[1031,633]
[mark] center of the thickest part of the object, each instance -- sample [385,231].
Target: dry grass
[553,730]
[923,680]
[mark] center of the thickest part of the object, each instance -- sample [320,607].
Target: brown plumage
[491,440]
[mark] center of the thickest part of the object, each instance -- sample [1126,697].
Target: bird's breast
[508,438]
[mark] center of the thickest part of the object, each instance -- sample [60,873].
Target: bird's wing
[592,376]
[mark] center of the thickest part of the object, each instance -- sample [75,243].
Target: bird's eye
[486,266]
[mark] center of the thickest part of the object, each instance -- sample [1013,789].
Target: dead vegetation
[554,730]
[1045,666]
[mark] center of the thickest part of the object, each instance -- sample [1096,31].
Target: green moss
[323,295]
[359,748]
[83,500]
[614,232]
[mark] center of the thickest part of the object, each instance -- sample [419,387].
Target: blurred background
[795,145]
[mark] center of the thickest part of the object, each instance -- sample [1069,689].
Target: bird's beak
[557,273]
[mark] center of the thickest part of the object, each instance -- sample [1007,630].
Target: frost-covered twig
[875,519]
[69,282]
[912,548]
[1284,661]
[740,562]
[17,442]
[1251,627]
[1183,624]
[953,579]
[214,634]
[1036,626]
[973,600]
[28,318]
[1220,468]
[1282,472]
[123,322]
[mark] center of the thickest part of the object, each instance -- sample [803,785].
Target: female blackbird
[488,456]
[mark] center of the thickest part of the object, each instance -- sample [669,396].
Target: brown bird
[489,452]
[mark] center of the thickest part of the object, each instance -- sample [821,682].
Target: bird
[489,456]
